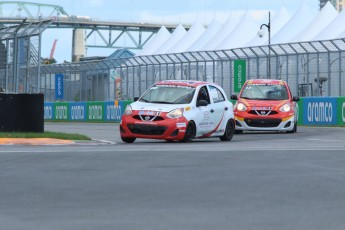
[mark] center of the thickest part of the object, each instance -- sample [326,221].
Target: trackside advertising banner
[239,74]
[320,111]
[49,110]
[115,109]
[108,111]
[61,111]
[59,86]
[95,111]
[341,111]
[77,111]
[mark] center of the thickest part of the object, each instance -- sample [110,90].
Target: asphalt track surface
[257,181]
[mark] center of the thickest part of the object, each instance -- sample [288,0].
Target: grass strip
[63,136]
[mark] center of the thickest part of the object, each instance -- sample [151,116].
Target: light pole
[260,34]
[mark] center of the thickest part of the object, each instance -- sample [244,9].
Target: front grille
[148,118]
[146,129]
[263,112]
[262,122]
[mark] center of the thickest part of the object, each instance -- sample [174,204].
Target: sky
[152,11]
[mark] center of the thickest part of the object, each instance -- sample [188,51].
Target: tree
[48,61]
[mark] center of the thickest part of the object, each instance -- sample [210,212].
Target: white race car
[179,110]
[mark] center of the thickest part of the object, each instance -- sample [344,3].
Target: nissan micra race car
[265,105]
[179,110]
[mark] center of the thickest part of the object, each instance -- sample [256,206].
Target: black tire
[128,139]
[295,127]
[294,130]
[190,132]
[229,131]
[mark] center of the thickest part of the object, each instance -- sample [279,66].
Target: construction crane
[53,50]
[50,60]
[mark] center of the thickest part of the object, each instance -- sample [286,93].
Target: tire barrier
[21,112]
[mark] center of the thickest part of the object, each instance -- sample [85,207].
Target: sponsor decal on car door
[217,111]
[206,123]
[218,108]
[217,117]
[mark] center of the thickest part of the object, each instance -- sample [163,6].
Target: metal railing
[20,51]
[310,68]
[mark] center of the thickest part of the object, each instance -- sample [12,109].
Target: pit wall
[313,111]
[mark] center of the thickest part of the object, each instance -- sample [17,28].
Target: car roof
[266,81]
[190,83]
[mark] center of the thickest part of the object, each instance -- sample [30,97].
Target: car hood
[263,103]
[155,106]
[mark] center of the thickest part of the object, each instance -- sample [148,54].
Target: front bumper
[168,129]
[265,124]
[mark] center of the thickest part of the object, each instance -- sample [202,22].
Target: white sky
[158,11]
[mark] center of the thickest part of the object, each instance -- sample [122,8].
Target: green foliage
[47,61]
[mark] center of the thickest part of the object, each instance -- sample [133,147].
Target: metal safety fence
[311,69]
[20,55]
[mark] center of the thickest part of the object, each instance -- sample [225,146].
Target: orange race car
[265,105]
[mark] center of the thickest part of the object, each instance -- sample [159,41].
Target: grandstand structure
[306,49]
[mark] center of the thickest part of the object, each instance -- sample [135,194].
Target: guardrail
[314,111]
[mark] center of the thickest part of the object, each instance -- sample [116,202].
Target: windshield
[265,92]
[168,94]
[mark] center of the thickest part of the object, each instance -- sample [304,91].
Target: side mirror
[201,103]
[136,98]
[295,98]
[234,97]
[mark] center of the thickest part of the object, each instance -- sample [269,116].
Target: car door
[217,110]
[202,120]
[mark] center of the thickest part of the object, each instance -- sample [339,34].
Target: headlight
[128,110]
[241,107]
[176,113]
[285,108]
